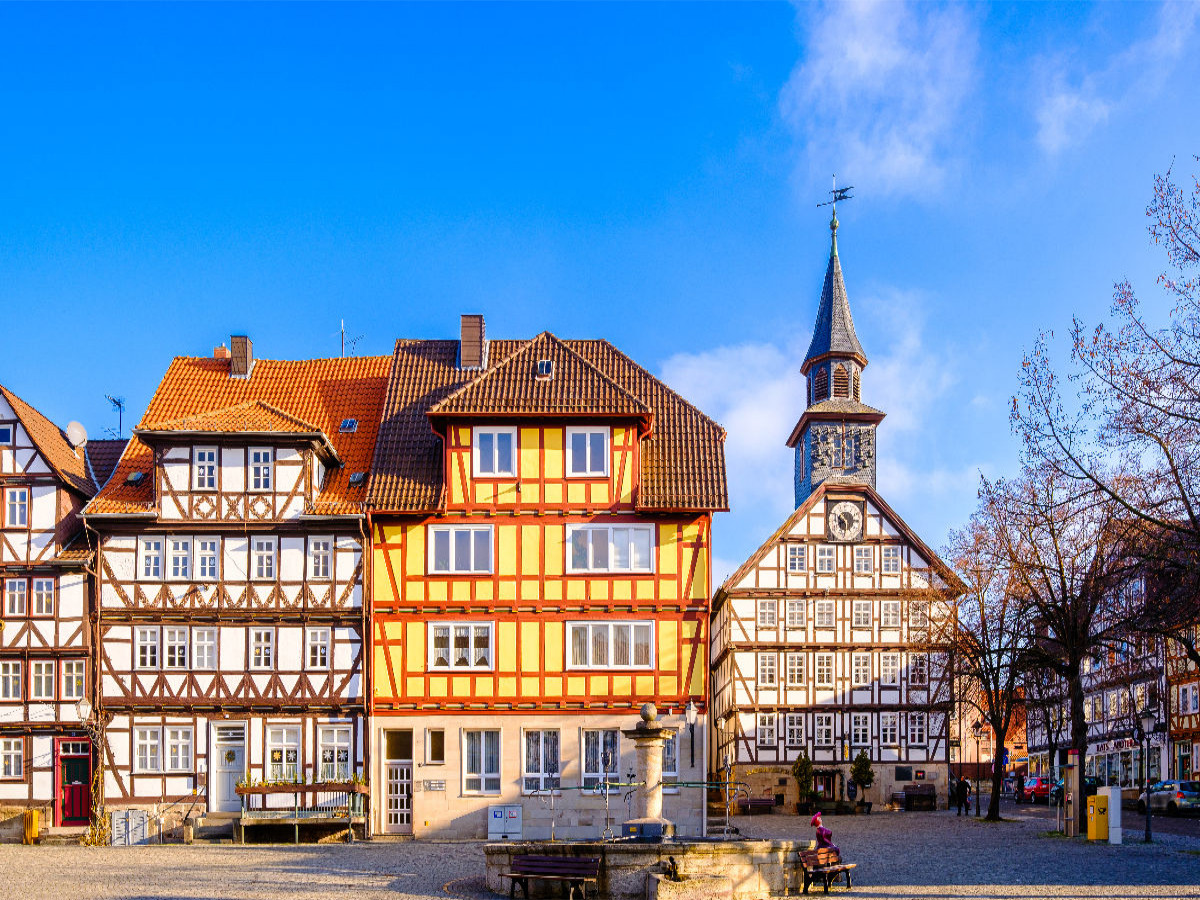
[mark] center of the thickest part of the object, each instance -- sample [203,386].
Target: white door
[228,769]
[398,776]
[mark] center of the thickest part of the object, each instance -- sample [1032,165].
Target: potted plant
[802,772]
[862,775]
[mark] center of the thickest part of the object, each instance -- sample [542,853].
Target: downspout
[368,668]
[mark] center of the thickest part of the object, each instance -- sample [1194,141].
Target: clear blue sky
[172,174]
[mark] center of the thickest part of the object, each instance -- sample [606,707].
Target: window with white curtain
[610,548]
[601,758]
[460,645]
[610,645]
[283,753]
[333,743]
[481,761]
[541,766]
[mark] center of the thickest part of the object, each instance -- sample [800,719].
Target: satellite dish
[76,434]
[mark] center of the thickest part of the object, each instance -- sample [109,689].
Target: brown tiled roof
[52,445]
[102,458]
[282,393]
[75,552]
[683,460]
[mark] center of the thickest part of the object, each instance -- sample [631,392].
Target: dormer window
[587,452]
[494,452]
[348,426]
[260,469]
[545,369]
[204,469]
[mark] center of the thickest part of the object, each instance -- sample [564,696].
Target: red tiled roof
[52,445]
[288,395]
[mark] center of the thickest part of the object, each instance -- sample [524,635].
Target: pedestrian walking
[964,795]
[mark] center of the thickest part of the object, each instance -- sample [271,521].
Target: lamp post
[1147,719]
[690,714]
[978,729]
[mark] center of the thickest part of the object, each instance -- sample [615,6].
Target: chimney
[221,352]
[472,352]
[242,356]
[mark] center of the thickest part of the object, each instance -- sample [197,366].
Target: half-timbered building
[46,758]
[541,527]
[826,640]
[230,579]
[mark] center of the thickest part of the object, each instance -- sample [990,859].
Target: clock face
[845,520]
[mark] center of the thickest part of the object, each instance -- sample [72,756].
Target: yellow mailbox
[31,827]
[1097,817]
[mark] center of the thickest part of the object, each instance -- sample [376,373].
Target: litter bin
[1097,817]
[31,827]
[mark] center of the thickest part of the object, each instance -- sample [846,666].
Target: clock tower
[835,438]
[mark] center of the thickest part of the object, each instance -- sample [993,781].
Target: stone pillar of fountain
[648,737]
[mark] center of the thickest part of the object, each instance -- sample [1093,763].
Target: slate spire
[833,334]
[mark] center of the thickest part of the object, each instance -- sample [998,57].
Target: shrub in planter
[863,775]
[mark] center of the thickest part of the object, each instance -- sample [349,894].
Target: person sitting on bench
[824,835]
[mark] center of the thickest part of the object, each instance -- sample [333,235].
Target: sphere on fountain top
[649,713]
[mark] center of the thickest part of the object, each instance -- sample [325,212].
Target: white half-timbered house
[826,641]
[230,571]
[46,758]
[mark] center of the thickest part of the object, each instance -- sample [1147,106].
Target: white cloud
[880,90]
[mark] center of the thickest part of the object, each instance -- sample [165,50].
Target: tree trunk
[993,813]
[1079,736]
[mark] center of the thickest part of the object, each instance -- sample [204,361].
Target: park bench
[751,805]
[826,864]
[573,871]
[920,796]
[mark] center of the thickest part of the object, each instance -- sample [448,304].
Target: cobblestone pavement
[899,855]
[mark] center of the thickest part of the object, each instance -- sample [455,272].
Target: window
[841,382]
[824,670]
[41,680]
[43,596]
[795,557]
[207,551]
[821,385]
[889,729]
[494,451]
[204,648]
[283,753]
[152,558]
[825,558]
[618,645]
[460,645]
[860,729]
[175,648]
[263,553]
[860,670]
[603,548]
[601,758]
[794,730]
[823,729]
[765,733]
[587,452]
[889,614]
[767,669]
[73,675]
[260,469]
[11,758]
[262,648]
[767,613]
[918,670]
[863,561]
[179,559]
[6,434]
[15,596]
[891,559]
[795,613]
[824,614]
[179,749]
[795,670]
[320,557]
[147,749]
[916,728]
[435,747]
[481,762]
[862,614]
[204,469]
[318,648]
[889,668]
[334,747]
[10,681]
[16,507]
[541,761]
[460,548]
[918,614]
[670,761]
[146,643]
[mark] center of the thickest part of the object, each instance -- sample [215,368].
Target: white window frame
[864,559]
[10,680]
[889,669]
[204,469]
[793,730]
[767,669]
[333,752]
[152,558]
[587,471]
[42,680]
[823,729]
[147,750]
[860,729]
[824,665]
[796,557]
[208,559]
[485,781]
[286,740]
[826,559]
[454,566]
[918,729]
[826,614]
[766,731]
[794,666]
[634,626]
[147,648]
[670,763]
[473,628]
[16,596]
[6,433]
[481,468]
[12,759]
[615,539]
[892,561]
[262,649]
[795,613]
[320,558]
[430,758]
[860,669]
[860,612]
[176,647]
[918,670]
[42,596]
[318,648]
[261,478]
[593,776]
[179,748]
[768,613]
[204,649]
[74,679]
[546,772]
[179,558]
[16,507]
[264,558]
[889,614]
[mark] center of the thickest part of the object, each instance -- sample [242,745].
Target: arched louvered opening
[857,387]
[821,385]
[841,382]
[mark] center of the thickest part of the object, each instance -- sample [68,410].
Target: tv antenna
[837,194]
[352,341]
[118,403]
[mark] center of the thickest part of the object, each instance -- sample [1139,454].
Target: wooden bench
[573,871]
[751,805]
[825,863]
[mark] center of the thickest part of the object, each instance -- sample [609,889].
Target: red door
[74,787]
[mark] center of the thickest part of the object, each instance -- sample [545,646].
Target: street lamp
[690,714]
[1147,719]
[978,729]
[93,725]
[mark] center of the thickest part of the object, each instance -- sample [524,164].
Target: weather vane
[838,194]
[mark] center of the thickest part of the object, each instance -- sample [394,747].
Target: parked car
[1172,797]
[1056,792]
[1037,790]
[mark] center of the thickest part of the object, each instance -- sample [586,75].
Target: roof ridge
[245,404]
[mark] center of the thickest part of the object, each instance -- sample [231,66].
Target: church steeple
[835,438]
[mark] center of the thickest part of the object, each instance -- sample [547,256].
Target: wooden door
[75,793]
[229,767]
